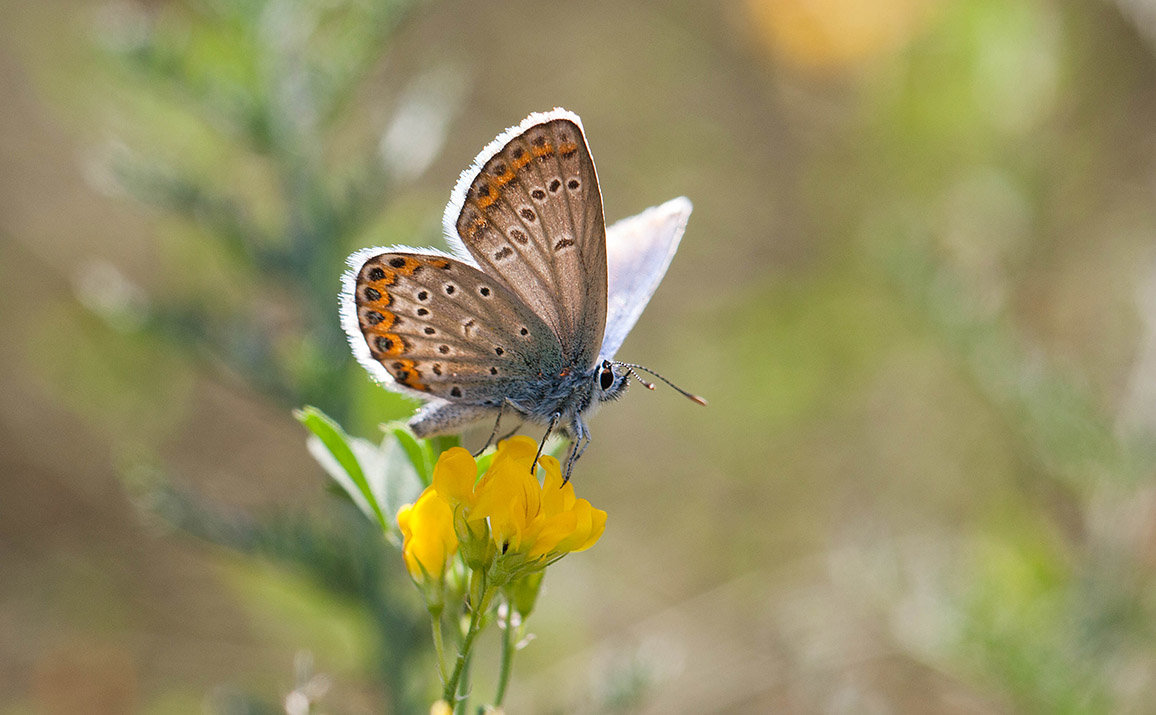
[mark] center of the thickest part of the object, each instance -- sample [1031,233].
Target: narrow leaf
[336,443]
[418,455]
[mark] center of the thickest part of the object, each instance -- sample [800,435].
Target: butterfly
[527,312]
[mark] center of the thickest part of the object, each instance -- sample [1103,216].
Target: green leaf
[444,442]
[418,451]
[337,443]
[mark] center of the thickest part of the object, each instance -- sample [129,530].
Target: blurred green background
[918,288]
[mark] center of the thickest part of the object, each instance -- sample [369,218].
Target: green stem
[451,685]
[439,645]
[507,655]
[464,688]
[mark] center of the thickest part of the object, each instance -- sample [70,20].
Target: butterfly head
[610,380]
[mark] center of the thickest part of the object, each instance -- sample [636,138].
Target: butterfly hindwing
[436,326]
[529,212]
[639,249]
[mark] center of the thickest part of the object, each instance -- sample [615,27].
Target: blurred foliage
[241,119]
[343,557]
[238,119]
[1047,605]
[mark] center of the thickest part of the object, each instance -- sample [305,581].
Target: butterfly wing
[638,252]
[529,212]
[430,325]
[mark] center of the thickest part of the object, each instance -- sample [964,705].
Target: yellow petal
[597,527]
[518,449]
[404,516]
[556,496]
[499,497]
[508,492]
[589,523]
[454,475]
[429,535]
[554,530]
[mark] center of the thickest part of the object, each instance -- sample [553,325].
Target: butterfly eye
[605,377]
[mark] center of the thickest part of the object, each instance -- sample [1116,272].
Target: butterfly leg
[579,445]
[511,432]
[519,411]
[550,428]
[446,418]
[494,431]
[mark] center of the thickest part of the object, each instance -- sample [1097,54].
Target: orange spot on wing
[506,177]
[545,150]
[388,279]
[387,321]
[406,372]
[385,298]
[439,263]
[494,188]
[488,200]
[567,149]
[387,344]
[411,265]
[476,225]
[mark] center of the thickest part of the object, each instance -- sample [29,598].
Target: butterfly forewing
[445,329]
[533,216]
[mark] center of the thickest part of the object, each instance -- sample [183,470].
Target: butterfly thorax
[569,392]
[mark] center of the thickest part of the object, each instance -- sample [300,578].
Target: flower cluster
[494,535]
[506,524]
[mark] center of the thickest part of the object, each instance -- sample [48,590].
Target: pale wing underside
[529,212]
[638,252]
[437,327]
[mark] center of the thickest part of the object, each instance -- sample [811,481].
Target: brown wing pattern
[443,328]
[533,217]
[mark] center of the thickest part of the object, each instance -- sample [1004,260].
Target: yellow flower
[506,514]
[535,522]
[430,541]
